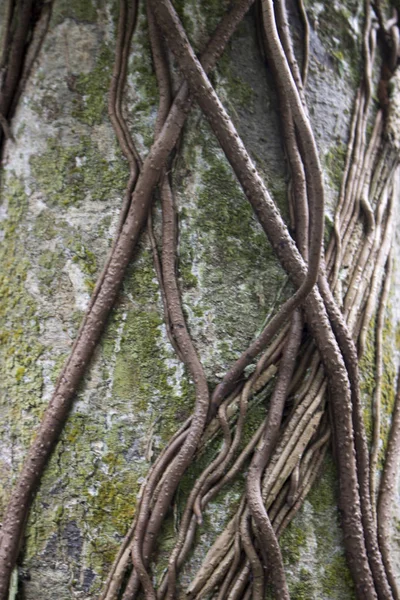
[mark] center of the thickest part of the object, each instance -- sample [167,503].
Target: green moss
[256,412]
[20,348]
[220,232]
[334,162]
[183,9]
[144,104]
[293,542]
[397,336]
[92,88]
[115,500]
[237,92]
[229,215]
[389,383]
[368,379]
[86,261]
[328,231]
[337,580]
[142,373]
[336,29]
[312,545]
[67,175]
[323,495]
[51,264]
[213,11]
[304,588]
[89,485]
[80,10]
[45,226]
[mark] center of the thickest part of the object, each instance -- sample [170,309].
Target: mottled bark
[196,408]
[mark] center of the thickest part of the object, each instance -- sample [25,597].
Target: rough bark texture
[62,184]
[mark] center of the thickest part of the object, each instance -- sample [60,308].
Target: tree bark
[87,133]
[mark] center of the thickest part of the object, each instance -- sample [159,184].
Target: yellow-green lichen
[334,162]
[90,104]
[20,347]
[219,231]
[336,581]
[142,84]
[79,10]
[237,93]
[143,371]
[312,545]
[87,262]
[68,174]
[389,382]
[335,22]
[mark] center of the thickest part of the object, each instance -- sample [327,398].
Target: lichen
[68,174]
[334,162]
[20,347]
[219,231]
[389,382]
[312,545]
[142,90]
[81,10]
[338,24]
[367,367]
[114,430]
[90,104]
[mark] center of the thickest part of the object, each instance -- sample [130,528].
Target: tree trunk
[68,165]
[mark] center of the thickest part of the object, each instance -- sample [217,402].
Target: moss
[388,386]
[304,588]
[328,231]
[389,378]
[51,265]
[92,89]
[45,226]
[225,237]
[67,175]
[229,216]
[114,499]
[323,496]
[256,413]
[236,91]
[145,369]
[183,9]
[80,10]
[86,261]
[334,162]
[20,347]
[293,542]
[312,544]
[142,83]
[397,336]
[89,485]
[337,580]
[213,11]
[340,37]
[191,281]
[368,379]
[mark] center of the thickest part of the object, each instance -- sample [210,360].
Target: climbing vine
[307,353]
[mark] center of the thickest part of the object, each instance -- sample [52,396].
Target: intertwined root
[285,457]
